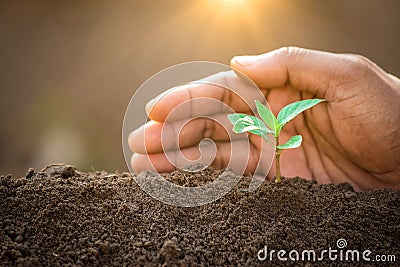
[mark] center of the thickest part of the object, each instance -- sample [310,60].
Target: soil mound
[104,219]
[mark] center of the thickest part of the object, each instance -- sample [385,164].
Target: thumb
[306,70]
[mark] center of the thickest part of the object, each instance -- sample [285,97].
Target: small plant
[272,126]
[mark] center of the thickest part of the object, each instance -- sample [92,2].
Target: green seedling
[272,126]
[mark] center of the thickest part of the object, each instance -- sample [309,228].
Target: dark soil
[70,218]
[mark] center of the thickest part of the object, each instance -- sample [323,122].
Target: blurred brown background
[69,68]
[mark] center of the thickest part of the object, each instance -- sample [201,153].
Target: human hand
[353,137]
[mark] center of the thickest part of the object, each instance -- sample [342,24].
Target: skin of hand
[352,137]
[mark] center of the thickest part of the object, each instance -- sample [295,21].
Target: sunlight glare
[233,1]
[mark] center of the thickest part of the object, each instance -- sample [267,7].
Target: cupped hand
[354,136]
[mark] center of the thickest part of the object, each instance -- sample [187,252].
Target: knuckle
[360,64]
[291,52]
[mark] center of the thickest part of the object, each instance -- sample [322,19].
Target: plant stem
[277,161]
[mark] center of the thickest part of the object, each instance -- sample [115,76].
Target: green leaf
[233,118]
[294,142]
[266,114]
[292,110]
[240,128]
[249,124]
[246,123]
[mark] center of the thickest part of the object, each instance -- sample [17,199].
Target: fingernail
[149,106]
[244,60]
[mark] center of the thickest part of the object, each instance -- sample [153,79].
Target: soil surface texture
[63,217]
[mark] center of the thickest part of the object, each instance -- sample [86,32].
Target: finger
[170,160]
[156,137]
[211,95]
[239,156]
[307,70]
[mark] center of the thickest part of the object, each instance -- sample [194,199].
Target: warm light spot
[227,8]
[233,1]
[235,12]
[235,7]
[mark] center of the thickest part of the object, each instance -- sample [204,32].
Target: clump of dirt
[67,217]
